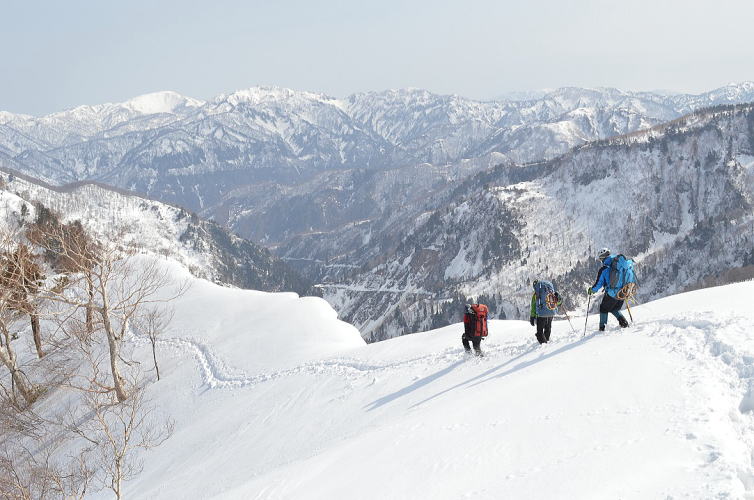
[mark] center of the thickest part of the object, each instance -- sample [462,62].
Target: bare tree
[153,323]
[8,357]
[95,443]
[110,281]
[33,463]
[21,277]
[119,431]
[9,317]
[97,291]
[69,250]
[38,475]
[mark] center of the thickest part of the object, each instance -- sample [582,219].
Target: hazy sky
[58,54]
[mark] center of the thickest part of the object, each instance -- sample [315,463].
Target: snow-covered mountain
[205,248]
[341,188]
[196,153]
[677,197]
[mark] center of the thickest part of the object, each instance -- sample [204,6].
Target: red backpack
[475,320]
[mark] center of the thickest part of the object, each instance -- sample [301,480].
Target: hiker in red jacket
[474,327]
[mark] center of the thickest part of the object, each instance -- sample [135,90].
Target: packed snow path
[660,410]
[675,331]
[216,374]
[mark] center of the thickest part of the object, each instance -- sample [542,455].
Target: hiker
[544,305]
[610,303]
[474,327]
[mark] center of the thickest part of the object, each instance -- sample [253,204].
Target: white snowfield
[274,398]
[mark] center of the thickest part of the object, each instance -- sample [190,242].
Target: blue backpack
[546,302]
[621,274]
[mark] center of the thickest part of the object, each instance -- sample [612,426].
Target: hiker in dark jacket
[610,303]
[468,336]
[542,309]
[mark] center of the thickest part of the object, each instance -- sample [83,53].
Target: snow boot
[602,327]
[622,322]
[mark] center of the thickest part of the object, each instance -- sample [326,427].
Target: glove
[589,291]
[531,320]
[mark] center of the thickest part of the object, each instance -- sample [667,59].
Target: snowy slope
[148,226]
[297,407]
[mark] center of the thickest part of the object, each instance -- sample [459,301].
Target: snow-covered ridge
[220,333]
[695,120]
[662,409]
[279,129]
[383,111]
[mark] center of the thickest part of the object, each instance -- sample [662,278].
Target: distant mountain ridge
[405,126]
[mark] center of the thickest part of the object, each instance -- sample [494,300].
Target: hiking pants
[476,341]
[613,306]
[544,325]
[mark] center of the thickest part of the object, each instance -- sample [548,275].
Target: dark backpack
[622,282]
[475,320]
[546,298]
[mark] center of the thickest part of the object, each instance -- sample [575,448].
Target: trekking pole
[569,319]
[586,316]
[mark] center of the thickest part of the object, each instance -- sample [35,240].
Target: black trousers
[610,304]
[476,341]
[544,326]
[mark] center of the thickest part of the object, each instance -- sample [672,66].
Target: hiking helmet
[603,254]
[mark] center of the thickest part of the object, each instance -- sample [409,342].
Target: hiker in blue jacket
[544,306]
[610,304]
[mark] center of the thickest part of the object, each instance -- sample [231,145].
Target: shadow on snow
[488,375]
